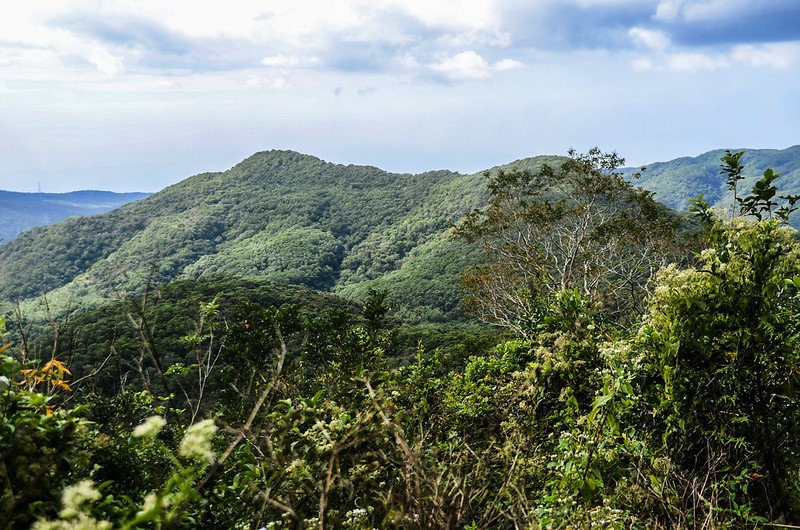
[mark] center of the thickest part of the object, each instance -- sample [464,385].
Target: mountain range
[296,219]
[23,211]
[293,218]
[677,181]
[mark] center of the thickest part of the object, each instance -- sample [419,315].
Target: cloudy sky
[138,94]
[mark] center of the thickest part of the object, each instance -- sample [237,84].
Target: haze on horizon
[123,95]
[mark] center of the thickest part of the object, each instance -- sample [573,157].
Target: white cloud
[469,65]
[507,64]
[405,61]
[774,55]
[668,10]
[463,14]
[708,10]
[465,65]
[120,39]
[653,39]
[681,62]
[105,62]
[298,39]
[701,10]
[494,38]
[780,55]
[605,3]
[307,23]
[694,61]
[163,84]
[281,60]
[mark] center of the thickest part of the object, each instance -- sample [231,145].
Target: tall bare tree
[582,226]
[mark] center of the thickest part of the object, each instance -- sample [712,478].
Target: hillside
[244,391]
[677,181]
[296,219]
[288,217]
[23,211]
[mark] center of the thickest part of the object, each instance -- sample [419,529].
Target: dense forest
[677,181]
[289,217]
[296,219]
[296,344]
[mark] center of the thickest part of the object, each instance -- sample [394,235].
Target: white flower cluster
[150,503]
[74,497]
[708,254]
[153,504]
[312,522]
[196,442]
[81,523]
[356,518]
[73,501]
[150,428]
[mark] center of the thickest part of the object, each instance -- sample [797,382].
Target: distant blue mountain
[23,211]
[677,181]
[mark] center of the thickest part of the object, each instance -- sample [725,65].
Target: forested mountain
[641,371]
[283,215]
[296,219]
[23,211]
[677,181]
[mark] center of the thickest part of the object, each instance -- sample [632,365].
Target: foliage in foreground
[687,418]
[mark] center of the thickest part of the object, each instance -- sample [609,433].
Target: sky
[135,95]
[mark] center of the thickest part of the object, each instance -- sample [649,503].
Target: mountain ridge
[293,217]
[20,211]
[677,181]
[297,219]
